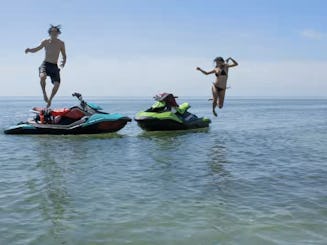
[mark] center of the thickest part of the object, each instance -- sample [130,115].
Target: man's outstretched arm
[64,56]
[33,50]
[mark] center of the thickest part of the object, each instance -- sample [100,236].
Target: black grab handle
[78,95]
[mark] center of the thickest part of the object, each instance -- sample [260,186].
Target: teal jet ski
[87,118]
[166,114]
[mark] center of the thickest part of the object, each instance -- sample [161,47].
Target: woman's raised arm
[234,62]
[206,72]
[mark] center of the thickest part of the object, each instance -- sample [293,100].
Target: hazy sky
[141,47]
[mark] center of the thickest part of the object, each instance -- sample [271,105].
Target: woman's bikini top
[221,73]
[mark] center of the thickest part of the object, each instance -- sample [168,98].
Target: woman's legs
[214,98]
[221,96]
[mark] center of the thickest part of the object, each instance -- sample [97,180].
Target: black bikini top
[222,73]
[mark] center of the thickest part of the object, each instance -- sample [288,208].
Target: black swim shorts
[51,70]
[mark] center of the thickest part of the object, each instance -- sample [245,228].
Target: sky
[142,47]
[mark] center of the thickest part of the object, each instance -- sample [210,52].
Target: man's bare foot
[214,113]
[49,104]
[45,97]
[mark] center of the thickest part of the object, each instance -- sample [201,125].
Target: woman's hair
[58,27]
[220,59]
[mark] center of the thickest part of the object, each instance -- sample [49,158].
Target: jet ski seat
[58,115]
[65,116]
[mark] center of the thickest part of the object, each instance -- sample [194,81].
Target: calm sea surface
[257,176]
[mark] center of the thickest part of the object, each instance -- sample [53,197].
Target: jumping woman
[219,86]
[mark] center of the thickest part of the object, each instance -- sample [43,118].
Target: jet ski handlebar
[90,108]
[80,98]
[162,96]
[77,95]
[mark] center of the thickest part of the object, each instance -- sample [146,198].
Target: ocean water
[257,176]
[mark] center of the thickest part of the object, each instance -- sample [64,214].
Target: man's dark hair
[57,27]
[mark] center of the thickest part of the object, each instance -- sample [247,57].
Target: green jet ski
[166,114]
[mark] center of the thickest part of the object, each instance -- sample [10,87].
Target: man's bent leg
[53,93]
[43,77]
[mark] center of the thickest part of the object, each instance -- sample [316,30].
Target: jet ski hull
[167,120]
[96,124]
[153,124]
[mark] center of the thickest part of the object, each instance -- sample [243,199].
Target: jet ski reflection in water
[166,114]
[86,118]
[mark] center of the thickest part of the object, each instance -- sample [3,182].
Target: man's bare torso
[52,47]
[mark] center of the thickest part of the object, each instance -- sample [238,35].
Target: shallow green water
[257,176]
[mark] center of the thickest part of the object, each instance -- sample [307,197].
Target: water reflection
[55,196]
[218,159]
[55,172]
[174,133]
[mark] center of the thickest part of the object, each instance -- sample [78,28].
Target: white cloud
[313,34]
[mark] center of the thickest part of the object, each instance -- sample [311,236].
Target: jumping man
[53,47]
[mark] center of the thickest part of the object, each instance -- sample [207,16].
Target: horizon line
[194,96]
